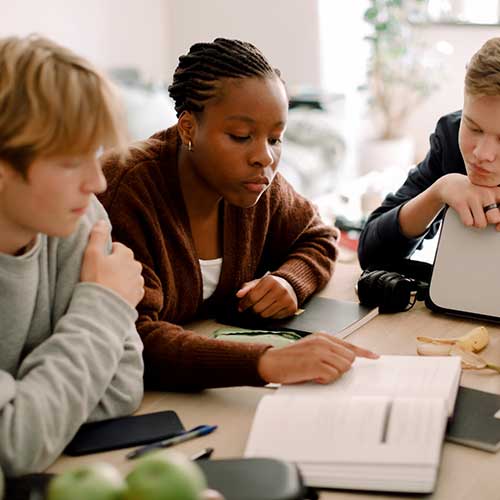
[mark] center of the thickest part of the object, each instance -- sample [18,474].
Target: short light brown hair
[482,77]
[53,102]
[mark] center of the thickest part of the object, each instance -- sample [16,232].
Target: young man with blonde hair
[69,351]
[461,170]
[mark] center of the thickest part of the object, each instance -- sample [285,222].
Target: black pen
[203,454]
[200,430]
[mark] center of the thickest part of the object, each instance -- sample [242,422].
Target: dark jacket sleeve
[381,240]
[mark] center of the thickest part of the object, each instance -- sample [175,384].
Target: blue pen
[200,430]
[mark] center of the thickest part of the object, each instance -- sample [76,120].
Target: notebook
[124,432]
[474,422]
[337,317]
[466,276]
[379,427]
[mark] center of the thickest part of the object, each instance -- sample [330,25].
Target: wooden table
[465,473]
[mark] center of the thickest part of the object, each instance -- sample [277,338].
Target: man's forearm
[416,215]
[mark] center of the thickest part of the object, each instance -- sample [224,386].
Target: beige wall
[109,32]
[151,34]
[285,30]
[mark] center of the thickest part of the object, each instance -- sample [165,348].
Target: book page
[392,377]
[357,430]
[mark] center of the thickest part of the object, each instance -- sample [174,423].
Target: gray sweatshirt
[69,351]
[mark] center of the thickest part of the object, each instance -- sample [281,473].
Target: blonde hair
[53,102]
[482,77]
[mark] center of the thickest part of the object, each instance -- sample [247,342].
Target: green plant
[402,67]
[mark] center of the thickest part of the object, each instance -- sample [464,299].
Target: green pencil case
[276,338]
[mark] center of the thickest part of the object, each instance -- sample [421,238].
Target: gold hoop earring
[190,146]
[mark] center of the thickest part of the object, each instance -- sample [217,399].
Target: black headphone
[390,290]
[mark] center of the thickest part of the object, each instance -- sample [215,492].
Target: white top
[210,274]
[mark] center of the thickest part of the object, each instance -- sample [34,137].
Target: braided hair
[198,74]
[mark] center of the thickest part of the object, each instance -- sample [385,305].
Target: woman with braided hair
[215,227]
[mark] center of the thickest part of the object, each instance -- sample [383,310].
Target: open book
[379,427]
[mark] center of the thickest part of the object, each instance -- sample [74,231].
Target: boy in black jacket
[461,169]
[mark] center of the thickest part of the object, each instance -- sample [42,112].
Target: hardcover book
[476,420]
[379,427]
[338,317]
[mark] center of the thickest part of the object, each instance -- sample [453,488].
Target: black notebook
[124,432]
[337,317]
[474,422]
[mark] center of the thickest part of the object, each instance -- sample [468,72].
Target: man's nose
[486,149]
[94,182]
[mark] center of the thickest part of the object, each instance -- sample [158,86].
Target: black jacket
[381,240]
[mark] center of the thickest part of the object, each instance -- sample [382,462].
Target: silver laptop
[466,275]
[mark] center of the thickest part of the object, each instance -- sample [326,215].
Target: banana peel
[430,349]
[473,341]
[465,346]
[472,361]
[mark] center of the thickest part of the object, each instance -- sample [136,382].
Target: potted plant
[402,72]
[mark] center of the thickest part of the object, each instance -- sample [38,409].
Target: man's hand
[117,271]
[319,357]
[469,200]
[269,297]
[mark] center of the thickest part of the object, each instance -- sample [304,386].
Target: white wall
[109,32]
[286,31]
[465,40]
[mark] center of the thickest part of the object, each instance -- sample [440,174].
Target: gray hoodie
[69,351]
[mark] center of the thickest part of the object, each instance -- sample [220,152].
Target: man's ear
[187,126]
[7,172]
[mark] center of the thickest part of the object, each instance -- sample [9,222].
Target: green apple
[96,481]
[165,475]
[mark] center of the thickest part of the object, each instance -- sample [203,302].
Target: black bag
[236,479]
[256,479]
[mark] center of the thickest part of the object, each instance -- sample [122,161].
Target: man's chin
[483,182]
[63,231]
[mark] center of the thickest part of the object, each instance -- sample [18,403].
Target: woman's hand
[269,297]
[319,357]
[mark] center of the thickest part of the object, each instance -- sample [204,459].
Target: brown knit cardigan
[282,234]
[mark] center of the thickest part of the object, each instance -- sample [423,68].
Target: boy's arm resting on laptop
[382,239]
[63,380]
